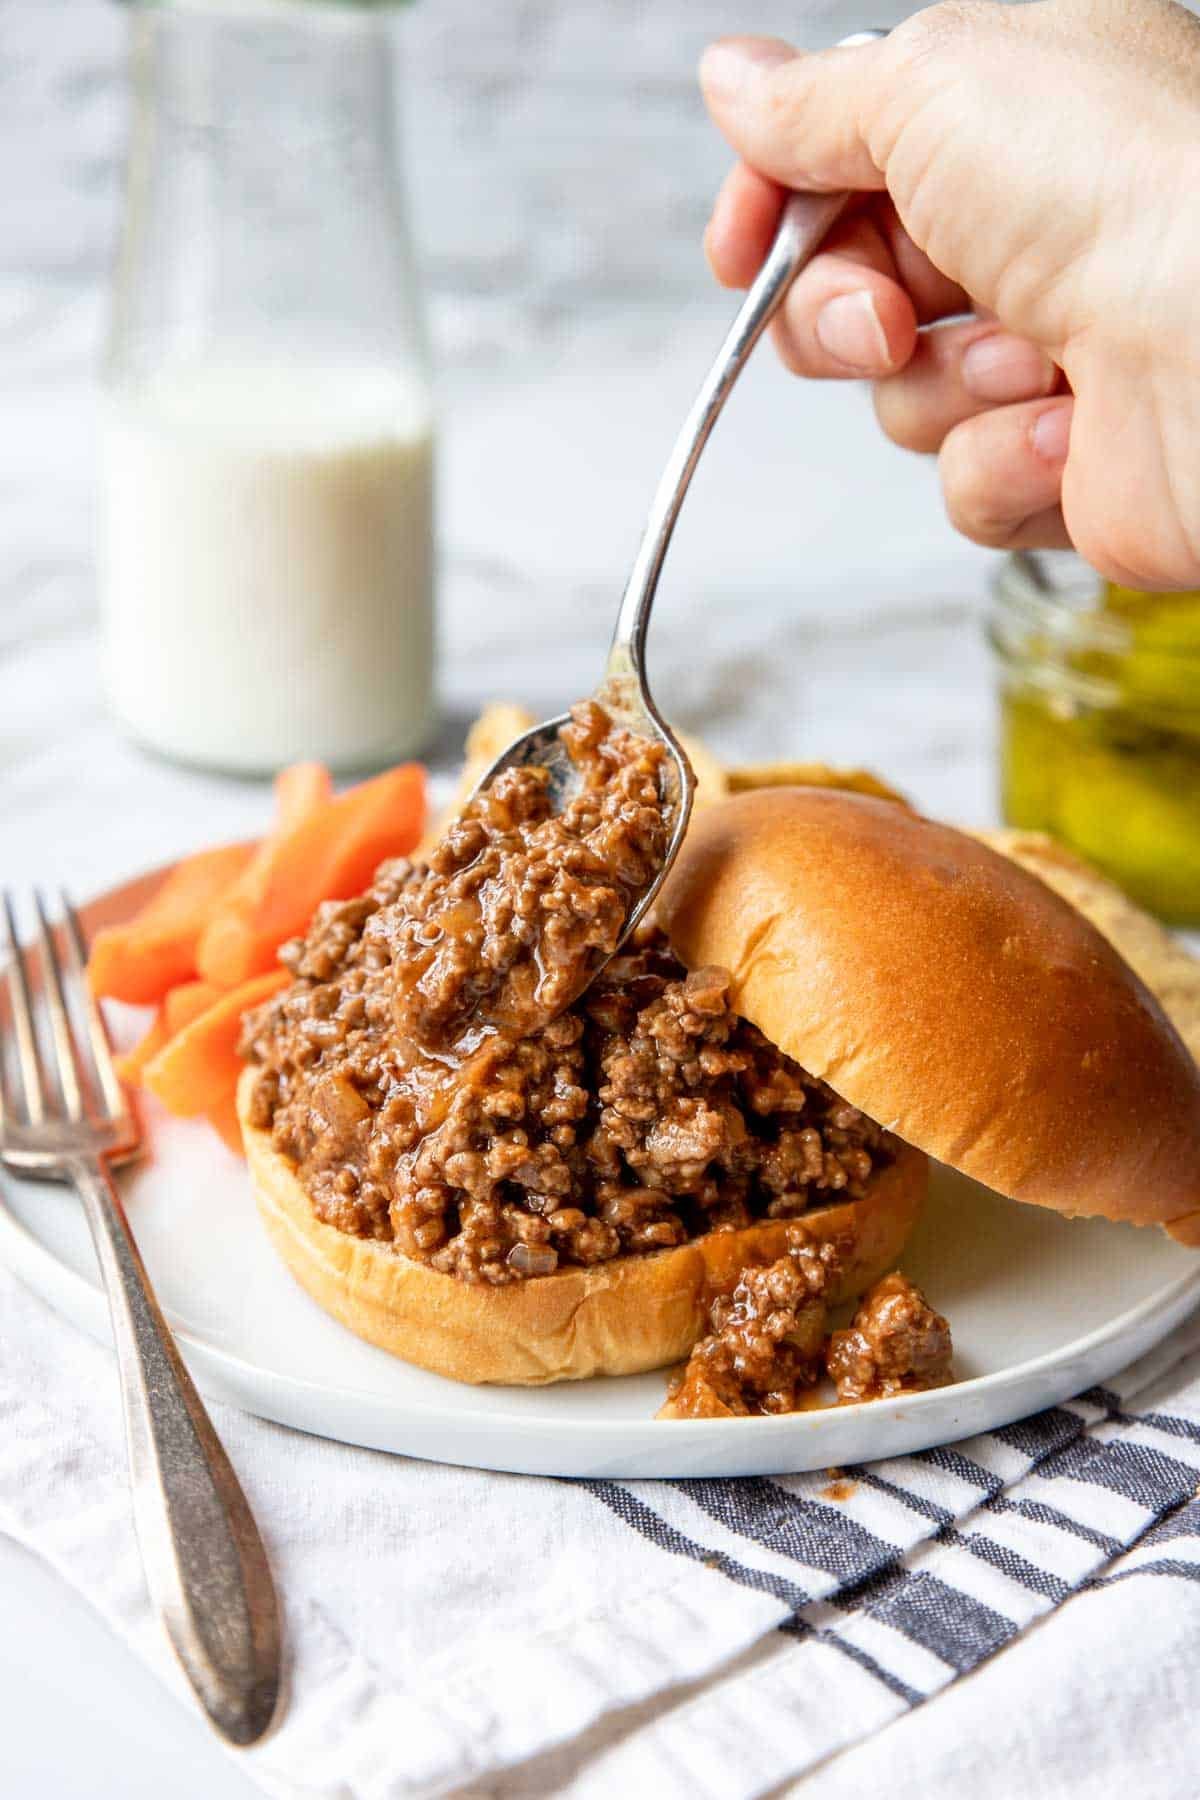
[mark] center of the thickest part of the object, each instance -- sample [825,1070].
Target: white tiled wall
[558,153]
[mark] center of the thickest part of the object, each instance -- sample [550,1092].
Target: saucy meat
[441,1083]
[765,1348]
[645,1114]
[769,1345]
[897,1344]
[519,905]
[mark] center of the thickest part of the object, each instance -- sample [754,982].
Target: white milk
[267,563]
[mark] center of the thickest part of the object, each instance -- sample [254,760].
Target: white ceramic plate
[1041,1308]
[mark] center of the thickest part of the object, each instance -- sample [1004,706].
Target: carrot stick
[130,1063]
[197,1071]
[330,855]
[180,1006]
[299,791]
[187,1001]
[224,1120]
[155,950]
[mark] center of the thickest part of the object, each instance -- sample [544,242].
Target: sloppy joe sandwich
[489,1145]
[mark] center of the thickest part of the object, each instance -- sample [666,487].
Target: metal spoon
[624,692]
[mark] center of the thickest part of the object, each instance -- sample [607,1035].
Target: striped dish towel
[459,1632]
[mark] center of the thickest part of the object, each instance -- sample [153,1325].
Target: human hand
[1037,167]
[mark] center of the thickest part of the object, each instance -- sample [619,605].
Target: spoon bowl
[627,702]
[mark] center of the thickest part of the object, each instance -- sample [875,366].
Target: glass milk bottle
[266,564]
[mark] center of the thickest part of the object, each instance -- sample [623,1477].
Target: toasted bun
[949,994]
[615,1318]
[1155,954]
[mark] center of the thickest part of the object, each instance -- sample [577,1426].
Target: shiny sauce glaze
[441,1083]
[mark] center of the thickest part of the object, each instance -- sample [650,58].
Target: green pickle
[1100,744]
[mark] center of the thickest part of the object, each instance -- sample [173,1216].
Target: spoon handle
[806,219]
[805,222]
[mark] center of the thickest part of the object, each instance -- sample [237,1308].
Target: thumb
[795,117]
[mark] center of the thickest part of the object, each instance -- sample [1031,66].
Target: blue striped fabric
[918,1569]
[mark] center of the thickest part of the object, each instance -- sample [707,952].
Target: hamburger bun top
[949,994]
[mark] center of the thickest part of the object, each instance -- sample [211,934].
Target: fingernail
[1051,434]
[1003,367]
[729,66]
[848,329]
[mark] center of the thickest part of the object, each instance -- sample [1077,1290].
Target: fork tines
[85,1090]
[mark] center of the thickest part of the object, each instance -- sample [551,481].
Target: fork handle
[206,1568]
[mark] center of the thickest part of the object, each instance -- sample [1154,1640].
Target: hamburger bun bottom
[623,1317]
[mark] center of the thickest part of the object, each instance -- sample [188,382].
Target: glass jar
[266,565]
[1100,723]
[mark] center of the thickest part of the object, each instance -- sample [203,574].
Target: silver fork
[206,1569]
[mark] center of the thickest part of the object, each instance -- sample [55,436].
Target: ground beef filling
[518,905]
[896,1344]
[645,1114]
[764,1351]
[444,1078]
[770,1345]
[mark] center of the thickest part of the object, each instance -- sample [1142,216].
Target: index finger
[744,220]
[746,214]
